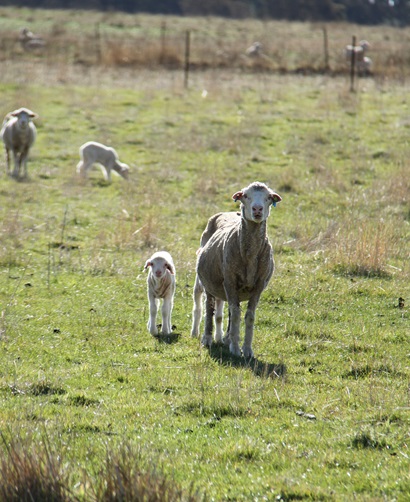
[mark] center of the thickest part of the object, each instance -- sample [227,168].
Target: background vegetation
[396,12]
[90,403]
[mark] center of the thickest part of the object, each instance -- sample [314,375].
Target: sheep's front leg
[166,316]
[235,323]
[197,310]
[209,324]
[219,312]
[153,308]
[8,160]
[249,324]
[16,165]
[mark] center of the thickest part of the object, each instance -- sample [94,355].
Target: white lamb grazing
[93,152]
[235,264]
[161,286]
[18,134]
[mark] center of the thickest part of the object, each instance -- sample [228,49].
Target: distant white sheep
[254,50]
[235,263]
[363,62]
[161,283]
[93,152]
[18,133]
[29,41]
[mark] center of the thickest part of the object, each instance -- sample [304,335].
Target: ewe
[161,285]
[18,134]
[235,263]
[93,152]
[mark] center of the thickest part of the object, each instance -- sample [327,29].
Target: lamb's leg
[226,339]
[166,316]
[23,161]
[219,312]
[197,310]
[249,324]
[80,168]
[153,308]
[209,323]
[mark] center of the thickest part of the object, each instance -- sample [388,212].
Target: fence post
[326,48]
[98,42]
[163,38]
[187,51]
[353,64]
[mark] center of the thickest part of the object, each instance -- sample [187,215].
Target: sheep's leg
[107,174]
[23,161]
[8,160]
[153,309]
[86,167]
[235,322]
[226,339]
[219,312]
[249,324]
[197,310]
[16,165]
[209,324]
[80,168]
[166,316]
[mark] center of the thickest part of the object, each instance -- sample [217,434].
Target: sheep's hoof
[218,337]
[206,341]
[247,352]
[235,350]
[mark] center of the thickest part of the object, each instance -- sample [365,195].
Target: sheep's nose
[158,273]
[257,210]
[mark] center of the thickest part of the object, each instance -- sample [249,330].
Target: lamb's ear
[237,196]
[275,198]
[148,263]
[170,268]
[33,115]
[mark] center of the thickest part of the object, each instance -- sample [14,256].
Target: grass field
[322,412]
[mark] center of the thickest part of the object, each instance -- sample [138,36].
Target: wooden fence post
[326,48]
[353,64]
[163,38]
[187,54]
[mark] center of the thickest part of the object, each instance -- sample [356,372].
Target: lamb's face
[159,267]
[256,200]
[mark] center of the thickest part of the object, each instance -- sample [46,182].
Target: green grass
[78,366]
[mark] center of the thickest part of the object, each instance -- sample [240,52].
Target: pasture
[322,412]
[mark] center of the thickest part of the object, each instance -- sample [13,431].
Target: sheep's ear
[34,115]
[237,196]
[170,268]
[148,263]
[275,198]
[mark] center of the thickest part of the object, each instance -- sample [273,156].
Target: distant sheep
[235,263]
[254,50]
[363,62]
[93,152]
[161,286]
[29,41]
[18,134]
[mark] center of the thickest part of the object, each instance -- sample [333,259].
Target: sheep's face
[256,201]
[23,116]
[159,267]
[125,171]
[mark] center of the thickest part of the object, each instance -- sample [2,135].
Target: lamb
[93,152]
[161,283]
[235,263]
[18,133]
[254,50]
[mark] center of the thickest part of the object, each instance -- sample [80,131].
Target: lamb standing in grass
[93,152]
[161,285]
[18,134]
[235,264]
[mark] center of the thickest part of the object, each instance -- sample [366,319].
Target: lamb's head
[256,201]
[24,116]
[124,171]
[160,263]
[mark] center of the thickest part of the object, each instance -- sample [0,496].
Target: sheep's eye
[245,196]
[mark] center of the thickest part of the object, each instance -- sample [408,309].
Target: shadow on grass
[221,354]
[167,339]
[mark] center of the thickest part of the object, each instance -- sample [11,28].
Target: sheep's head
[160,265]
[24,116]
[256,201]
[124,171]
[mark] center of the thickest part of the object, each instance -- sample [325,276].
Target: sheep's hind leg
[219,312]
[166,316]
[209,314]
[197,310]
